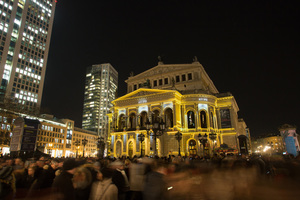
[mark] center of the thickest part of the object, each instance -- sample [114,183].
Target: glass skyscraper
[25,31]
[100,90]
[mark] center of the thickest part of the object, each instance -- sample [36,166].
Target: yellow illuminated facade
[186,100]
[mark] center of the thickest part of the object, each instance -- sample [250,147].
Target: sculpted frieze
[142,93]
[158,97]
[199,99]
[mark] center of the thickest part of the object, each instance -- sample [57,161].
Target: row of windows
[60,146]
[166,81]
[46,139]
[51,134]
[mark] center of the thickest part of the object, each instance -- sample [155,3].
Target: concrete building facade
[100,90]
[25,32]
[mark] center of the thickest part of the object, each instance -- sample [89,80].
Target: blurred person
[10,162]
[136,179]
[19,164]
[62,183]
[155,186]
[7,182]
[104,189]
[120,179]
[82,182]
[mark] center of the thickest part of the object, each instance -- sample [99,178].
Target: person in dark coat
[44,178]
[155,185]
[120,179]
[63,184]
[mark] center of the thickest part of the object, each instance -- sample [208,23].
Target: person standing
[104,189]
[120,179]
[63,184]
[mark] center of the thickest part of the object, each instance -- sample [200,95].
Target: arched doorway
[118,149]
[169,118]
[192,148]
[243,143]
[130,149]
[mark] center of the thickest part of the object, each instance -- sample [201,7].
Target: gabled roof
[143,92]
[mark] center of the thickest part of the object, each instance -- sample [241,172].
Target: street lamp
[213,137]
[84,142]
[158,129]
[77,144]
[178,137]
[100,144]
[141,138]
[203,140]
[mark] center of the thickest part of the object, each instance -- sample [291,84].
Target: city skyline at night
[249,50]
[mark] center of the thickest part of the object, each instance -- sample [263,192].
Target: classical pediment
[143,93]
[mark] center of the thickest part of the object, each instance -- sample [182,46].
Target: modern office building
[197,118]
[56,137]
[100,90]
[25,32]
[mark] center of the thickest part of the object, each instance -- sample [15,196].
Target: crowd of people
[143,178]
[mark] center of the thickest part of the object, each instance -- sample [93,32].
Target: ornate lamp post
[100,143]
[141,138]
[178,137]
[84,142]
[158,129]
[203,140]
[77,144]
[213,137]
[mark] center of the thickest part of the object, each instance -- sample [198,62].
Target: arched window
[169,118]
[212,123]
[132,121]
[155,116]
[203,119]
[143,120]
[122,122]
[191,119]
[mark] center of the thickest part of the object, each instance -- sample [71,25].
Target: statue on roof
[160,60]
[195,59]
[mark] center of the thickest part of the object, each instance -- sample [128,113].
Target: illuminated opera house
[175,109]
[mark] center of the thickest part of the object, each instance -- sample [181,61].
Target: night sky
[248,48]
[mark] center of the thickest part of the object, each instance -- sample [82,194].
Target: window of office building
[155,83]
[190,76]
[177,79]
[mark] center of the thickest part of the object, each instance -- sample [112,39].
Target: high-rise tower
[25,31]
[100,90]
